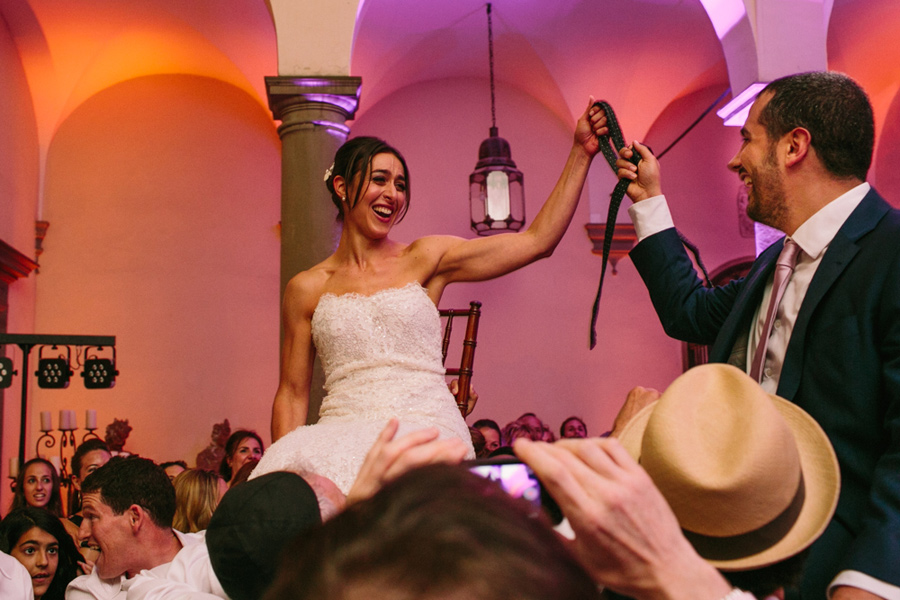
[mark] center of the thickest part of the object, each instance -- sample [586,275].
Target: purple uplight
[734,114]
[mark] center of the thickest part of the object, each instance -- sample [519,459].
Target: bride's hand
[390,458]
[473,395]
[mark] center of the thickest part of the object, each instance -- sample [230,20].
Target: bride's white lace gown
[382,358]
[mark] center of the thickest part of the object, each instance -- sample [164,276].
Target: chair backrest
[467,358]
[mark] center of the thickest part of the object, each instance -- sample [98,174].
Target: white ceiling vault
[642,54]
[637,53]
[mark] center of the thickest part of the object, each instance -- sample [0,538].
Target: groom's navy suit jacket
[842,366]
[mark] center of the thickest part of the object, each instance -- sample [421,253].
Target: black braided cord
[608,146]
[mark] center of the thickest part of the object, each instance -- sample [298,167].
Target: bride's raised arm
[297,354]
[458,259]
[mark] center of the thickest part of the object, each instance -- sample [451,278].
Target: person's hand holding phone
[626,535]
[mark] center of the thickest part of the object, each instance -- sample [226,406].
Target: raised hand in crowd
[626,535]
[390,458]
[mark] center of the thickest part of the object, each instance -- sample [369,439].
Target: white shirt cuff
[650,216]
[865,582]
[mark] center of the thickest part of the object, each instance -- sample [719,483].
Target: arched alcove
[163,198]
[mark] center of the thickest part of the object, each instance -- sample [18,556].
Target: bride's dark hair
[353,159]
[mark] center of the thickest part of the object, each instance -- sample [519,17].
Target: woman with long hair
[369,310]
[38,540]
[38,485]
[242,446]
[197,494]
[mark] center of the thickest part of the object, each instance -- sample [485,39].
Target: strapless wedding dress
[382,358]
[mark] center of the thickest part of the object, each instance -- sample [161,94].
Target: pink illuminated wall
[18,199]
[163,198]
[164,190]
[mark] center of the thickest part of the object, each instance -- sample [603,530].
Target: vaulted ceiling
[639,53]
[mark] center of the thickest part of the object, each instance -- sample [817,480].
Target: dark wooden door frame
[13,266]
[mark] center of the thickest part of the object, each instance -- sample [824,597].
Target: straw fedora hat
[751,477]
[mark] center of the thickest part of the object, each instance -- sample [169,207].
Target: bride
[370,310]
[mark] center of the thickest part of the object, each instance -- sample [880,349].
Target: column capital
[337,94]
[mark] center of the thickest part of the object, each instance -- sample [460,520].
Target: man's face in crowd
[91,461]
[574,429]
[110,532]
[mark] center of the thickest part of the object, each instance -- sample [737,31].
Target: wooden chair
[467,358]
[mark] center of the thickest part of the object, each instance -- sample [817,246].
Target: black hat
[251,526]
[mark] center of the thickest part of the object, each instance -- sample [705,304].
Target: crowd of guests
[38,533]
[145,531]
[490,440]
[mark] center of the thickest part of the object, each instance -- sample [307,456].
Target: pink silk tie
[784,268]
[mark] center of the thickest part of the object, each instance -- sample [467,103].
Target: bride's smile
[383,199]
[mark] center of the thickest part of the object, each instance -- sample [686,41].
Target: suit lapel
[839,254]
[737,325]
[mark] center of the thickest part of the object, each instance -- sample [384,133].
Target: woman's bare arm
[458,259]
[291,404]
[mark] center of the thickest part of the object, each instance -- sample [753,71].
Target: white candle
[14,466]
[46,421]
[90,419]
[67,420]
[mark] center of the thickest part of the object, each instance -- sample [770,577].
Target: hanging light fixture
[496,192]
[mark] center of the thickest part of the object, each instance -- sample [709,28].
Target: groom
[834,349]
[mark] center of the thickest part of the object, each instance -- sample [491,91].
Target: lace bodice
[381,353]
[382,359]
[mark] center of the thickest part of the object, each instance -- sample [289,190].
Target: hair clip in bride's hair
[328,172]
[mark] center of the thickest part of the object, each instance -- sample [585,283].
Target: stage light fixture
[100,373]
[6,372]
[54,373]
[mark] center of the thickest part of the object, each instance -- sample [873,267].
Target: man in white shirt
[256,520]
[15,582]
[128,508]
[142,559]
[834,349]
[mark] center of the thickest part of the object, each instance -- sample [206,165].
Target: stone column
[313,112]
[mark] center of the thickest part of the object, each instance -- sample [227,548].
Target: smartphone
[519,481]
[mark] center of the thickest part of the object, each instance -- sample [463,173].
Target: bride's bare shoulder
[306,287]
